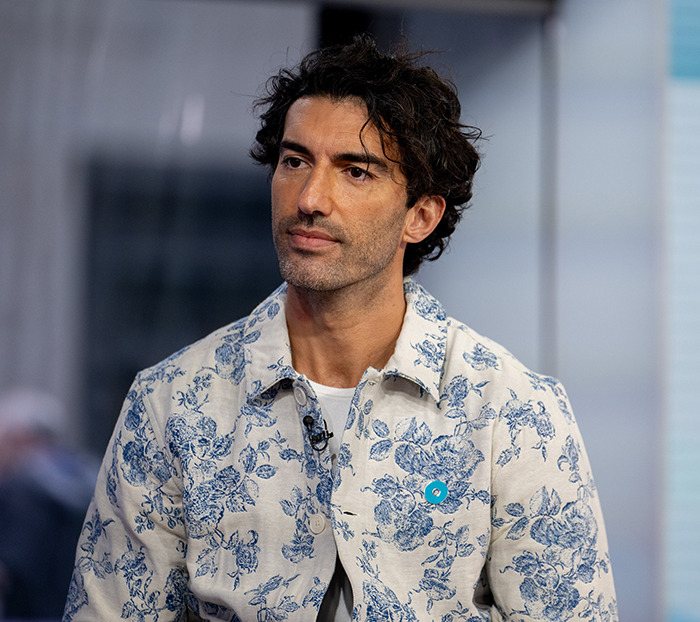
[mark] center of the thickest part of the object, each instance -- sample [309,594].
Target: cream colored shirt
[462,489]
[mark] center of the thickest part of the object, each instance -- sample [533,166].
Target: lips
[304,238]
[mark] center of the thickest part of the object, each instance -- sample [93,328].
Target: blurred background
[132,222]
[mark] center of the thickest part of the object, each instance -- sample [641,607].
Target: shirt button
[300,396]
[317,523]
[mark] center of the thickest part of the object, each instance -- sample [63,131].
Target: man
[347,432]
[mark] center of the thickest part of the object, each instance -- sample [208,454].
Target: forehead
[338,121]
[316,107]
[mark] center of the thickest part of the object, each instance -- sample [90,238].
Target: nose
[316,196]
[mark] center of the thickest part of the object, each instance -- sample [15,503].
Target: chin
[314,280]
[310,283]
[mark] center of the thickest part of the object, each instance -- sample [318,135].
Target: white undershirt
[335,407]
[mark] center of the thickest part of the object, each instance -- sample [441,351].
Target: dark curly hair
[409,104]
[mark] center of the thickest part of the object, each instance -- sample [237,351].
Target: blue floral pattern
[569,558]
[212,504]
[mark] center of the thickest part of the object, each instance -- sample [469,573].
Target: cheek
[276,200]
[282,195]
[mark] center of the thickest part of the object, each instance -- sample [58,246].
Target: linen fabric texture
[211,503]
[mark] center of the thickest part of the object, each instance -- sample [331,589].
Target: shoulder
[221,355]
[465,357]
[220,346]
[500,377]
[199,355]
[478,353]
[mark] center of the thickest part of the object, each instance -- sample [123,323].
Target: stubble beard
[359,260]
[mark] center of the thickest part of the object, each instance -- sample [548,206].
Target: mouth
[310,239]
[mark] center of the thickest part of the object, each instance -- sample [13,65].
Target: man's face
[338,212]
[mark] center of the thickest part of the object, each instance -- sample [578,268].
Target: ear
[423,217]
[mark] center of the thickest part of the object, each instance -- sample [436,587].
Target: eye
[292,162]
[357,172]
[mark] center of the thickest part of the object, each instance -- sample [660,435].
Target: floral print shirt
[462,490]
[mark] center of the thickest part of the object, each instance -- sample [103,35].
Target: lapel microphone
[318,441]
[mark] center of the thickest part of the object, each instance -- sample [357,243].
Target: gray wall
[610,247]
[558,259]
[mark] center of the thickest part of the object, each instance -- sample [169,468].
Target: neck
[335,336]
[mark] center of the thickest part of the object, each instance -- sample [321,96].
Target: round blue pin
[436,491]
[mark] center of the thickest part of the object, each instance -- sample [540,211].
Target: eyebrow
[365,158]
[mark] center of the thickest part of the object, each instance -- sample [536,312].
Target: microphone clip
[318,441]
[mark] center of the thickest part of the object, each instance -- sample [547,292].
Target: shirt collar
[419,355]
[266,340]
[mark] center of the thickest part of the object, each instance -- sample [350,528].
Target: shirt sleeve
[548,556]
[130,560]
